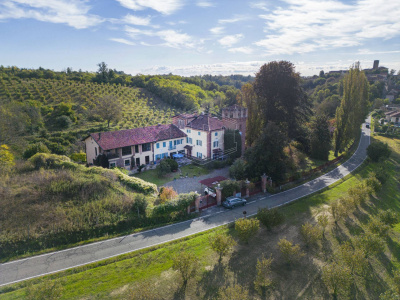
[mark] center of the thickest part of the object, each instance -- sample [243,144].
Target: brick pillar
[247,182]
[218,190]
[264,183]
[197,203]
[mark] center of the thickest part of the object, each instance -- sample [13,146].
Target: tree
[337,278]
[376,226]
[267,155]
[371,243]
[270,217]
[338,211]
[388,217]
[354,258]
[378,150]
[263,277]
[310,234]
[186,264]
[323,221]
[222,244]
[254,120]
[109,108]
[280,97]
[167,193]
[246,228]
[320,139]
[290,253]
[233,292]
[233,143]
[238,169]
[163,168]
[32,149]
[6,159]
[353,108]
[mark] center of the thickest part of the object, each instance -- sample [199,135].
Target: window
[189,140]
[181,141]
[147,159]
[215,144]
[95,151]
[158,145]
[136,148]
[164,155]
[164,144]
[158,156]
[216,134]
[146,147]
[199,155]
[199,133]
[188,131]
[126,150]
[199,143]
[112,165]
[127,162]
[175,142]
[138,161]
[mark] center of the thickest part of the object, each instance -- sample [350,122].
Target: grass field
[114,278]
[189,170]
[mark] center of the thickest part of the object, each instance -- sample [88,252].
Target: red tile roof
[206,123]
[136,136]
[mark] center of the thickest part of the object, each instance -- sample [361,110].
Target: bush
[179,205]
[310,234]
[376,226]
[229,187]
[270,217]
[337,278]
[373,183]
[78,157]
[246,228]
[238,170]
[172,164]
[63,122]
[388,217]
[136,184]
[48,161]
[163,168]
[378,150]
[233,292]
[221,243]
[290,253]
[31,150]
[167,194]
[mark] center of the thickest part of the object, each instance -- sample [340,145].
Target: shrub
[310,234]
[290,253]
[373,183]
[270,217]
[78,157]
[163,168]
[371,243]
[378,150]
[186,264]
[381,173]
[6,158]
[167,194]
[388,217]
[354,258]
[221,243]
[337,278]
[63,122]
[233,292]
[136,184]
[31,150]
[172,164]
[175,206]
[263,278]
[323,221]
[376,226]
[246,228]
[48,161]
[238,169]
[229,187]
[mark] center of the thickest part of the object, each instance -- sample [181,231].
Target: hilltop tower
[235,117]
[376,64]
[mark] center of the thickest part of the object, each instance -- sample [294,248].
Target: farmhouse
[191,135]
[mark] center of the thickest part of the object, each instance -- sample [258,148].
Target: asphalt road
[40,265]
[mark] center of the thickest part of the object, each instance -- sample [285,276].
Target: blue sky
[191,37]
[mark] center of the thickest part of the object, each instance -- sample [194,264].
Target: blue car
[231,202]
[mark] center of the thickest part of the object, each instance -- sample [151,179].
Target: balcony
[112,155]
[171,148]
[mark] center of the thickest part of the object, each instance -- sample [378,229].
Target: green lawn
[189,170]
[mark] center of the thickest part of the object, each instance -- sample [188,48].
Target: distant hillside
[47,108]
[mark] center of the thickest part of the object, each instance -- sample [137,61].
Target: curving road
[40,265]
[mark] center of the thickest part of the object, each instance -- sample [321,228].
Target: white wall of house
[92,149]
[164,148]
[197,139]
[217,140]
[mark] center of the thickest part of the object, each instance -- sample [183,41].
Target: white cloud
[217,30]
[259,5]
[123,41]
[165,7]
[72,12]
[234,19]
[312,25]
[135,20]
[205,4]
[245,50]
[230,40]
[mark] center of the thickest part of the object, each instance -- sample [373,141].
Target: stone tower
[376,64]
[235,117]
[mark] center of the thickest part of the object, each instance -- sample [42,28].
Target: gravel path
[191,184]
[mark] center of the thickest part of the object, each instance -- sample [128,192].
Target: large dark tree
[267,155]
[320,138]
[281,98]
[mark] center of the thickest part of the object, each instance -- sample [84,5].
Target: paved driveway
[53,262]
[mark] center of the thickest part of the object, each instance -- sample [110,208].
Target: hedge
[136,184]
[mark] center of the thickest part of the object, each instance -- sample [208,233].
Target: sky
[194,37]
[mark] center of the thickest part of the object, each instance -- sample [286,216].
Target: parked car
[209,191]
[231,202]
